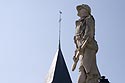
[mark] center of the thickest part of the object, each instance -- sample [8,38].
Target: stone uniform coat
[86,28]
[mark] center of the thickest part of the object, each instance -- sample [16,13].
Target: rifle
[77,54]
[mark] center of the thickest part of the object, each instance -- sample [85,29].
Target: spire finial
[60,19]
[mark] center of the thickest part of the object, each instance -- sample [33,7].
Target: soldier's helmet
[85,6]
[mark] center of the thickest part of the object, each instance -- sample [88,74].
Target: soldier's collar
[83,18]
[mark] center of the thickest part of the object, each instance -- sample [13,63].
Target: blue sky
[29,38]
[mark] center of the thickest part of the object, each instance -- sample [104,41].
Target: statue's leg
[82,75]
[92,78]
[91,66]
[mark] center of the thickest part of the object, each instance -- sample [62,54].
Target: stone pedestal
[103,80]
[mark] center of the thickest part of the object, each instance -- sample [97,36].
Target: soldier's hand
[74,58]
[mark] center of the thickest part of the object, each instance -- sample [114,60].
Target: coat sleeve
[88,28]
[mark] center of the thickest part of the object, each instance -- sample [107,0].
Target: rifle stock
[75,61]
[77,54]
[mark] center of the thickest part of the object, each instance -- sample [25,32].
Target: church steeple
[58,72]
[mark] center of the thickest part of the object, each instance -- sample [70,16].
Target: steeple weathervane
[60,19]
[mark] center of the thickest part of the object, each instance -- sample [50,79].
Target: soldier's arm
[87,29]
[76,37]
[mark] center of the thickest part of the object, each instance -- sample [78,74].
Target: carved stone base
[103,80]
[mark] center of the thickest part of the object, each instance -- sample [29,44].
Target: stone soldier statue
[86,46]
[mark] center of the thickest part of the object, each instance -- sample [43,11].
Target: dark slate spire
[61,74]
[58,72]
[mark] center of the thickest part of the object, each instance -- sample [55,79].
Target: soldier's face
[83,13]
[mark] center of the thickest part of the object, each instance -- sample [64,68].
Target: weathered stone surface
[86,52]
